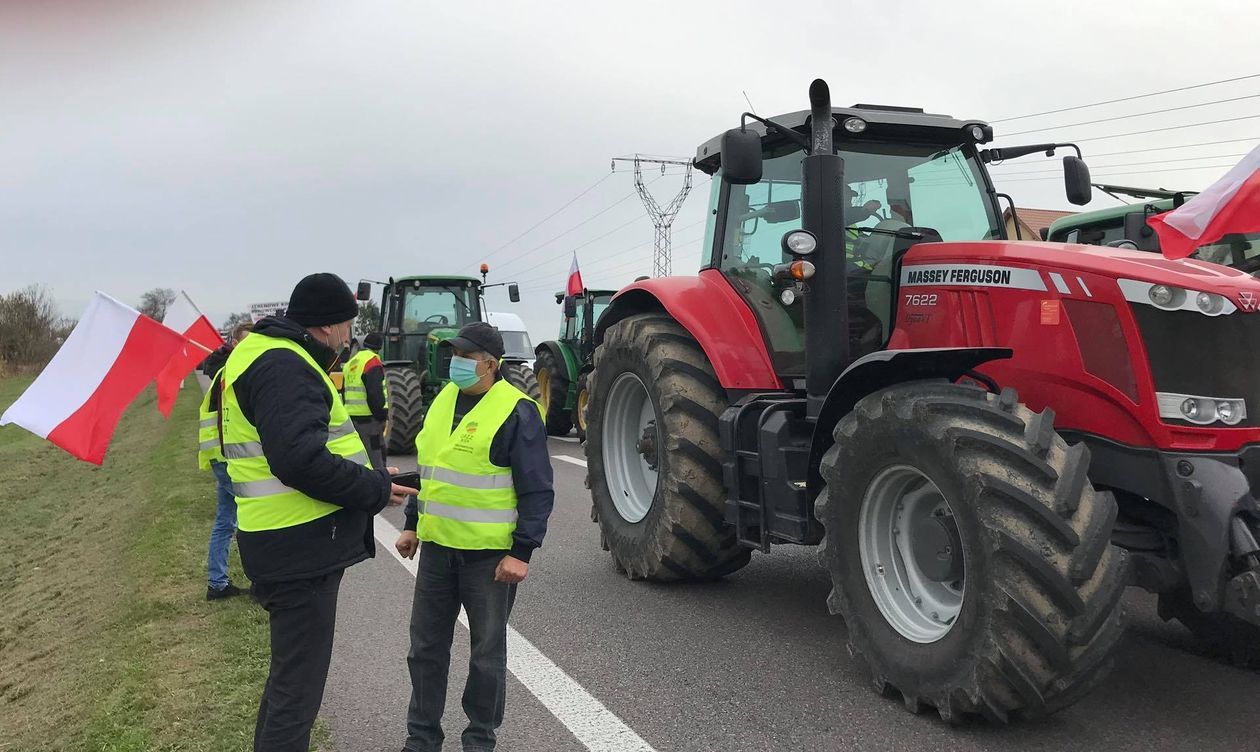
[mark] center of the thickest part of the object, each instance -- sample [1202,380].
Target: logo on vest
[466,438]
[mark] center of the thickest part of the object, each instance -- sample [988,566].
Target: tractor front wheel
[522,377]
[969,555]
[654,456]
[553,383]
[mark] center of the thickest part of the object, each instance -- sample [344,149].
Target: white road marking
[570,439]
[567,458]
[595,726]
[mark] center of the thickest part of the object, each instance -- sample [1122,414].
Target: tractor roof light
[854,125]
[800,243]
[981,133]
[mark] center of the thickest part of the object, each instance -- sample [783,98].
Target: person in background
[210,457]
[306,493]
[215,360]
[484,498]
[367,396]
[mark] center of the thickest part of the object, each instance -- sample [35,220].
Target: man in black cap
[305,493]
[484,499]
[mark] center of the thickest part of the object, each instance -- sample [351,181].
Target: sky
[230,148]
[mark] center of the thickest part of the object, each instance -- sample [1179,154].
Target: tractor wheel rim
[914,565]
[631,480]
[544,389]
[581,408]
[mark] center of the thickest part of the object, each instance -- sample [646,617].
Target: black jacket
[216,360]
[521,444]
[289,403]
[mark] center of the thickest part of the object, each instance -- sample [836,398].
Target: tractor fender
[880,370]
[710,309]
[562,354]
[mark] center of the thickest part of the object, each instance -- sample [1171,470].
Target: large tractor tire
[553,384]
[522,377]
[1224,635]
[969,555]
[581,405]
[406,409]
[654,458]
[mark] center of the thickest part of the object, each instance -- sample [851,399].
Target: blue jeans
[447,579]
[223,530]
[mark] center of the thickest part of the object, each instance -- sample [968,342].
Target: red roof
[1035,219]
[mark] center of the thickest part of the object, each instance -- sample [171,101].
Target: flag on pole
[113,353]
[574,286]
[1230,205]
[184,317]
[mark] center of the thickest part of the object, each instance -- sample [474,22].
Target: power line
[1169,128]
[1134,115]
[594,264]
[1122,164]
[1125,99]
[564,206]
[1126,174]
[1182,146]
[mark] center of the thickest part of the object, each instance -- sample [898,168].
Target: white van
[516,343]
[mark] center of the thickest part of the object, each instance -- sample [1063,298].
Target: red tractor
[988,439]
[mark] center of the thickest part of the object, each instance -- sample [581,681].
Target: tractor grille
[1209,356]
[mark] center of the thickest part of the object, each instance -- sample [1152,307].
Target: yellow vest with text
[353,389]
[263,502]
[465,500]
[209,447]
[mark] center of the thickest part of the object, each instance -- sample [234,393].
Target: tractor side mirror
[570,307]
[781,211]
[364,292]
[514,293]
[741,156]
[1076,181]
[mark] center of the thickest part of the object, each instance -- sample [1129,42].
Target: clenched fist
[407,544]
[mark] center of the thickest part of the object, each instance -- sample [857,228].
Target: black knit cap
[479,336]
[322,299]
[373,341]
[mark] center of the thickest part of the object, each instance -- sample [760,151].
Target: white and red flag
[113,353]
[184,317]
[1230,205]
[574,286]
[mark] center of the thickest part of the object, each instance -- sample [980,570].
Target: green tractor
[1127,227]
[563,364]
[419,316]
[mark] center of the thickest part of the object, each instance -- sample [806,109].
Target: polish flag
[113,353]
[575,285]
[184,317]
[1230,205]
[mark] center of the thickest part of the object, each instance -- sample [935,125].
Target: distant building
[1031,221]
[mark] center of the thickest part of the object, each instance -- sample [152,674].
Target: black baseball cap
[479,336]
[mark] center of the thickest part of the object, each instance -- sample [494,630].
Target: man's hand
[511,570]
[407,544]
[398,494]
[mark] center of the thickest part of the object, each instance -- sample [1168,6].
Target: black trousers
[303,614]
[371,432]
[448,578]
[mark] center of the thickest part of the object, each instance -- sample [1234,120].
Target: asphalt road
[753,662]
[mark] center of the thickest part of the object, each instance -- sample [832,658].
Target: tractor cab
[417,309]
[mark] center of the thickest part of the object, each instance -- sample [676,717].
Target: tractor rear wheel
[522,377]
[1225,635]
[655,462]
[406,409]
[969,555]
[553,383]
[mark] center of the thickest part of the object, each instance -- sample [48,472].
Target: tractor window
[598,305]
[1098,233]
[427,308]
[888,186]
[1241,251]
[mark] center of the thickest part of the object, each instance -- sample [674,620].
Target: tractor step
[766,442]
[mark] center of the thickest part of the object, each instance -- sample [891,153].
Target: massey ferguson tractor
[987,439]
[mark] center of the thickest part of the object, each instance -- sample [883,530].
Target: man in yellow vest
[210,457]
[484,499]
[305,494]
[367,396]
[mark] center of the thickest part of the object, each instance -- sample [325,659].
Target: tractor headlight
[1172,298]
[1209,303]
[1201,411]
[1162,295]
[800,243]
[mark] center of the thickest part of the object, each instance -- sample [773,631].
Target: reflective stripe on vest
[466,501]
[209,445]
[353,389]
[263,501]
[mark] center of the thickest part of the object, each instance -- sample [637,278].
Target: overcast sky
[229,148]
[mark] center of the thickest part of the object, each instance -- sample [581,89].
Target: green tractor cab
[562,364]
[1127,227]
[419,316]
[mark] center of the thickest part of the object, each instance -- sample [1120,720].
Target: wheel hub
[936,548]
[646,445]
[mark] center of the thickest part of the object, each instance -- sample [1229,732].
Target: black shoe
[226,592]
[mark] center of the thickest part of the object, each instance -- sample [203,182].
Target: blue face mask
[463,371]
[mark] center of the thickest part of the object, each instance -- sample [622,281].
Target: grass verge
[106,640]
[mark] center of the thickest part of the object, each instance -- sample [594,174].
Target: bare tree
[31,327]
[369,319]
[235,319]
[154,302]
